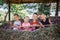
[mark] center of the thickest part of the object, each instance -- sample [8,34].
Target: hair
[36,13]
[41,13]
[16,15]
[25,17]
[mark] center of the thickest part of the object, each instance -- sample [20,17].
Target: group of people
[28,24]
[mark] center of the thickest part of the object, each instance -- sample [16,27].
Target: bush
[39,34]
[57,31]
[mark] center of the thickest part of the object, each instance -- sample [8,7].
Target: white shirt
[17,23]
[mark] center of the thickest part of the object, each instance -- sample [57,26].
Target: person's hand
[41,25]
[34,25]
[17,27]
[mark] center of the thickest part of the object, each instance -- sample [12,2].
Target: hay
[39,34]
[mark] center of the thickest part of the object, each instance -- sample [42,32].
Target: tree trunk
[57,8]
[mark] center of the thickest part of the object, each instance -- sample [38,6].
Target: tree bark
[57,8]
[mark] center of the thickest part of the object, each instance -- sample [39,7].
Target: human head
[16,17]
[42,16]
[35,16]
[26,19]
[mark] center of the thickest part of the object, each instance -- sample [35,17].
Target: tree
[44,8]
[21,9]
[4,9]
[1,2]
[17,8]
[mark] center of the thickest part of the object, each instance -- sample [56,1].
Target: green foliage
[1,2]
[17,8]
[42,8]
[32,6]
[0,14]
[21,9]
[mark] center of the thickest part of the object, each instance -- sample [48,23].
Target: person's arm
[14,26]
[41,24]
[11,24]
[50,22]
[20,25]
